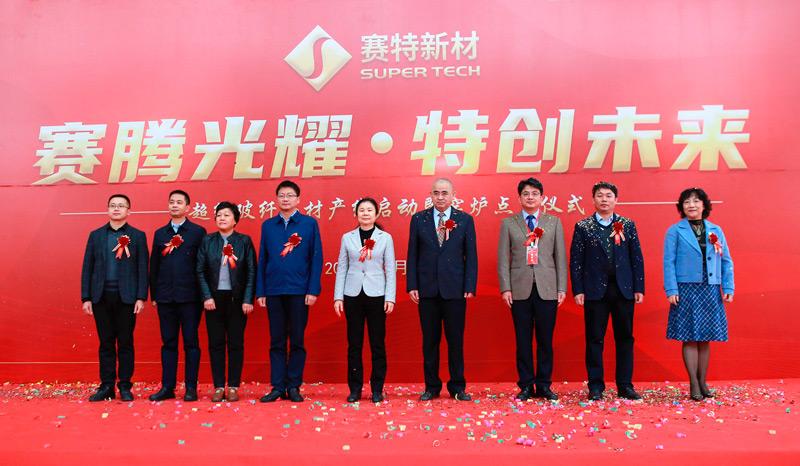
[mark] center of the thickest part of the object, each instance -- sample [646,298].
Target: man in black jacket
[175,293]
[607,271]
[113,290]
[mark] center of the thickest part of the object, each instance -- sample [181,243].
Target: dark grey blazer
[243,277]
[132,270]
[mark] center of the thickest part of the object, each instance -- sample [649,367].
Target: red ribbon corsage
[171,245]
[288,246]
[533,237]
[366,250]
[617,234]
[122,246]
[228,257]
[448,226]
[714,240]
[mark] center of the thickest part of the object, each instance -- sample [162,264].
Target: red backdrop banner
[352,99]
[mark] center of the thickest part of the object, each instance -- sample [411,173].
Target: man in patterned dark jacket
[607,272]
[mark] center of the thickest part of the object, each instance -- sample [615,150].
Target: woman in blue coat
[698,277]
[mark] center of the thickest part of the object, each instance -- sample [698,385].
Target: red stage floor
[748,423]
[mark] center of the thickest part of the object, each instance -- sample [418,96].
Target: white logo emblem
[317,58]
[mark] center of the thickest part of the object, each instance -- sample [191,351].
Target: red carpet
[747,423]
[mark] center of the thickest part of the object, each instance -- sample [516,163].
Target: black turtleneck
[699,230]
[365,234]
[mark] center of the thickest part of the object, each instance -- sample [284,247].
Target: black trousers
[534,315]
[175,319]
[595,317]
[358,311]
[433,314]
[288,316]
[225,327]
[115,322]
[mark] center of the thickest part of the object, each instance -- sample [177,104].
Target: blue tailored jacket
[683,260]
[300,271]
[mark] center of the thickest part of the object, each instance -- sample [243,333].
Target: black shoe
[546,393]
[353,397]
[628,393]
[125,394]
[294,395]
[461,396]
[707,392]
[595,394]
[104,392]
[161,395]
[377,397]
[272,396]
[190,395]
[525,394]
[428,396]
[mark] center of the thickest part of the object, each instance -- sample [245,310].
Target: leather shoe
[232,394]
[125,394]
[428,396]
[525,394]
[377,397]
[294,395]
[161,395]
[707,392]
[218,396]
[190,394]
[353,397]
[104,392]
[628,393]
[546,393]
[272,396]
[462,396]
[595,394]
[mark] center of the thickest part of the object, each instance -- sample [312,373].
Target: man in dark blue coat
[607,272]
[442,272]
[113,291]
[288,282]
[176,295]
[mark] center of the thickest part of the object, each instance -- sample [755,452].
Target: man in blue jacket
[288,283]
[175,293]
[607,272]
[113,291]
[442,272]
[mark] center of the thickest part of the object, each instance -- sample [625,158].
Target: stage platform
[753,422]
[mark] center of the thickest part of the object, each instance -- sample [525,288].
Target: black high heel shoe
[695,393]
[706,392]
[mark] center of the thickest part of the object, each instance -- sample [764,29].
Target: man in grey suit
[532,271]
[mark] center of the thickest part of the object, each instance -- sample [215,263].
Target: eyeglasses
[530,194]
[287,196]
[117,206]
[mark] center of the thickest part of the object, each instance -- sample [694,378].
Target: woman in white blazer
[365,292]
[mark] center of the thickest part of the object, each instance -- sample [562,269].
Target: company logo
[317,58]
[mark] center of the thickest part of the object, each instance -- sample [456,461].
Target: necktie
[440,228]
[531,222]
[175,228]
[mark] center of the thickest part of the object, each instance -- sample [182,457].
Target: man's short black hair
[182,193]
[229,205]
[127,199]
[689,192]
[288,184]
[533,183]
[604,185]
